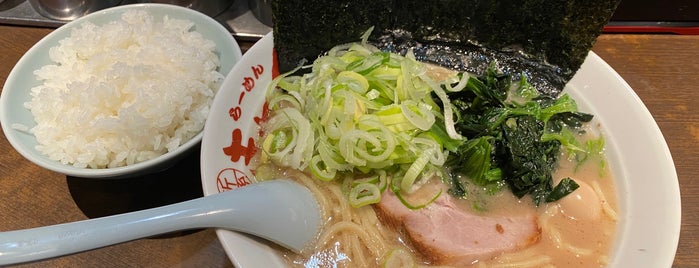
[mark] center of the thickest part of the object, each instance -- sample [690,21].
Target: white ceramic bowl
[644,172]
[16,89]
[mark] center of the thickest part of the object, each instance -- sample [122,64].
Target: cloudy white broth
[403,183]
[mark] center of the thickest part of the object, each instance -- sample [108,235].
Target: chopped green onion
[297,149]
[397,191]
[364,194]
[448,112]
[354,81]
[414,171]
[419,114]
[461,85]
[360,113]
[320,170]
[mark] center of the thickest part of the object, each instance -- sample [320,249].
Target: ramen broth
[576,231]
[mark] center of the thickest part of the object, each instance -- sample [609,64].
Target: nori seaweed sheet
[547,40]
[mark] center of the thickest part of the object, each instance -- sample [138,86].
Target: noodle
[360,233]
[341,203]
[356,247]
[535,261]
[556,236]
[368,218]
[606,207]
[524,258]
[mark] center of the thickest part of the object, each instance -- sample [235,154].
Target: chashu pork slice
[449,235]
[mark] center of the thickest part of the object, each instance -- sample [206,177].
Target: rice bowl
[17,120]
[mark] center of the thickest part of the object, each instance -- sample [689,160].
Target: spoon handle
[242,210]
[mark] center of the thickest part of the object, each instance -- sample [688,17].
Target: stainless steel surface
[262,9]
[209,7]
[238,18]
[242,23]
[69,9]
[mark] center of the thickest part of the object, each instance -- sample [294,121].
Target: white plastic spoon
[280,211]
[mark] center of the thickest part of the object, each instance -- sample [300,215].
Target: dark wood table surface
[662,69]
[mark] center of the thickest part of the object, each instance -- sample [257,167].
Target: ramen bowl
[232,135]
[17,120]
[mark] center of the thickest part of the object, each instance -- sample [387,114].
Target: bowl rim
[152,165]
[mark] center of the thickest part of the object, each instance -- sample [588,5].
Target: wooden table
[662,69]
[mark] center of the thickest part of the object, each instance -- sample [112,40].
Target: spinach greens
[514,137]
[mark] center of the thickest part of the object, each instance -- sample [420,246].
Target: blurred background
[251,19]
[672,16]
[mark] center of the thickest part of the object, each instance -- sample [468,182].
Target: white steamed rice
[124,92]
